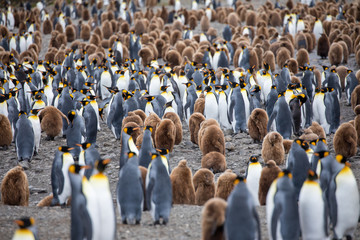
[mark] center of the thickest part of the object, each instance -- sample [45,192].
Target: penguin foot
[157,222]
[349,238]
[24,164]
[124,222]
[5,147]
[49,138]
[137,222]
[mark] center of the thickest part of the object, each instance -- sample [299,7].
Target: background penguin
[268,174]
[282,209]
[129,191]
[213,219]
[182,185]
[35,122]
[241,219]
[152,120]
[357,123]
[225,184]
[237,110]
[60,182]
[178,126]
[204,184]
[75,132]
[15,187]
[5,132]
[214,161]
[158,190]
[51,121]
[350,83]
[252,176]
[211,109]
[343,200]
[312,211]
[273,148]
[355,100]
[27,229]
[81,224]
[335,54]
[212,139]
[25,142]
[88,155]
[257,124]
[165,134]
[91,123]
[345,140]
[282,116]
[127,144]
[147,148]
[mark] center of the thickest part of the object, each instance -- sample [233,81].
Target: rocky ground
[185,220]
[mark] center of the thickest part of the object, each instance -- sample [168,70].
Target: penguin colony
[243,78]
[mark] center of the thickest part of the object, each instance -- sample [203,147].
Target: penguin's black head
[163,151]
[208,89]
[257,88]
[149,128]
[101,164]
[341,159]
[299,141]
[75,168]
[273,86]
[239,179]
[242,84]
[84,102]
[149,98]
[163,88]
[22,113]
[35,111]
[321,154]
[312,176]
[253,159]
[84,145]
[25,222]
[325,67]
[285,172]
[65,149]
[130,130]
[71,116]
[281,94]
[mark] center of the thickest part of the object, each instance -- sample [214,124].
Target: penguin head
[25,222]
[285,172]
[130,130]
[256,89]
[84,145]
[65,149]
[299,141]
[312,176]
[162,151]
[273,86]
[84,102]
[325,67]
[126,95]
[154,155]
[149,98]
[253,159]
[22,113]
[341,159]
[35,111]
[75,168]
[233,84]
[150,128]
[163,88]
[349,71]
[242,84]
[71,115]
[101,164]
[208,89]
[281,94]
[321,154]
[239,179]
[168,104]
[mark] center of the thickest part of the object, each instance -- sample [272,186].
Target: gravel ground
[185,220]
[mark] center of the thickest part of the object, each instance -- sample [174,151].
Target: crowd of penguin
[145,74]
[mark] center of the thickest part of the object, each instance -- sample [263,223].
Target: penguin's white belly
[49,95]
[37,132]
[154,88]
[223,114]
[320,113]
[211,109]
[347,200]
[311,212]
[67,187]
[270,206]
[148,109]
[252,181]
[246,104]
[93,209]
[121,83]
[4,109]
[105,82]
[23,234]
[265,89]
[318,30]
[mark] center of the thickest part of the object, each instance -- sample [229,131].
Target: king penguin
[24,140]
[146,148]
[130,195]
[35,122]
[88,155]
[127,145]
[253,173]
[158,190]
[242,221]
[211,109]
[223,107]
[27,229]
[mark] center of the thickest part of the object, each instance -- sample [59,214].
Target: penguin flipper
[85,217]
[149,189]
[274,220]
[272,117]
[231,109]
[258,223]
[332,202]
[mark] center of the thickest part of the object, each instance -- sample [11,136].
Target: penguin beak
[136,128]
[79,145]
[85,167]
[106,161]
[19,222]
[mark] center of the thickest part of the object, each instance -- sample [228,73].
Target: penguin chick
[355,97]
[132,117]
[268,174]
[51,121]
[178,125]
[199,105]
[273,148]
[212,140]
[345,140]
[214,161]
[308,135]
[302,57]
[203,126]
[204,23]
[257,124]
[194,126]
[152,120]
[15,187]
[165,134]
[140,113]
[335,54]
[5,132]
[317,129]
[173,57]
[182,184]
[204,184]
[357,123]
[213,219]
[225,184]
[287,145]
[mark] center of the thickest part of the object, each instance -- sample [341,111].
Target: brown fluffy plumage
[212,140]
[309,135]
[173,57]
[225,184]
[15,187]
[251,18]
[204,125]
[213,219]
[183,190]
[204,184]
[335,54]
[5,132]
[146,55]
[273,148]
[214,161]
[199,105]
[342,72]
[47,26]
[194,126]
[85,32]
[268,174]
[135,134]
[357,123]
[287,145]
[204,23]
[257,124]
[70,33]
[51,120]
[293,65]
[355,97]
[323,46]
[132,117]
[107,30]
[302,57]
[282,55]
[152,120]
[269,58]
[345,140]
[178,125]
[141,114]
[165,134]
[317,129]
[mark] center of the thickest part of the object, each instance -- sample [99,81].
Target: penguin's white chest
[211,107]
[246,103]
[154,88]
[252,181]
[223,111]
[66,191]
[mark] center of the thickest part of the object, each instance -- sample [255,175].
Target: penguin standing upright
[242,221]
[35,122]
[81,224]
[129,191]
[211,109]
[282,208]
[146,148]
[24,140]
[91,122]
[237,111]
[127,145]
[88,155]
[60,184]
[158,190]
[253,173]
[322,109]
[27,229]
[223,108]
[312,209]
[350,84]
[107,217]
[75,132]
[282,116]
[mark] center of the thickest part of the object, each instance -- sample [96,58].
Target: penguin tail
[131,220]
